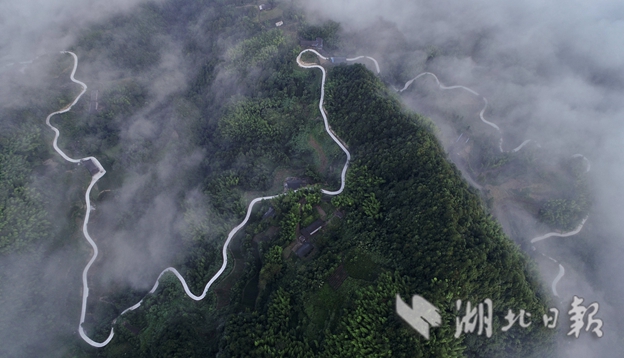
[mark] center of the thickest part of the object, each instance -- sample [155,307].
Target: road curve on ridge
[368,57]
[481,113]
[556,234]
[101,172]
[485,104]
[327,127]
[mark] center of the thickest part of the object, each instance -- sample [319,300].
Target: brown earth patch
[319,150]
[279,176]
[321,212]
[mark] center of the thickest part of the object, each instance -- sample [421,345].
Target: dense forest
[412,226]
[406,223]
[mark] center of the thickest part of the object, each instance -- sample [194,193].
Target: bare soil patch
[321,153]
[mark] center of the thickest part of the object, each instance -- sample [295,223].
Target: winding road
[327,127]
[557,234]
[359,57]
[481,114]
[101,172]
[500,146]
[566,234]
[94,179]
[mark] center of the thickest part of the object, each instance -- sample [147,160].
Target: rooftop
[317,44]
[312,228]
[304,250]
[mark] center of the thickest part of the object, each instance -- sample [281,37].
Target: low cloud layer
[551,71]
[34,27]
[149,216]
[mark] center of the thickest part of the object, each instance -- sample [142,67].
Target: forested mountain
[207,98]
[412,226]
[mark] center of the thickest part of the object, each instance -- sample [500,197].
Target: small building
[265,7]
[312,229]
[304,250]
[315,44]
[339,214]
[91,167]
[278,24]
[338,59]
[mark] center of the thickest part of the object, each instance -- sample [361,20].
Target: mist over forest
[201,107]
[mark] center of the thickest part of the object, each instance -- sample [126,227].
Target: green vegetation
[24,220]
[257,49]
[329,32]
[566,213]
[272,266]
[563,213]
[410,225]
[361,265]
[556,194]
[30,210]
[148,330]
